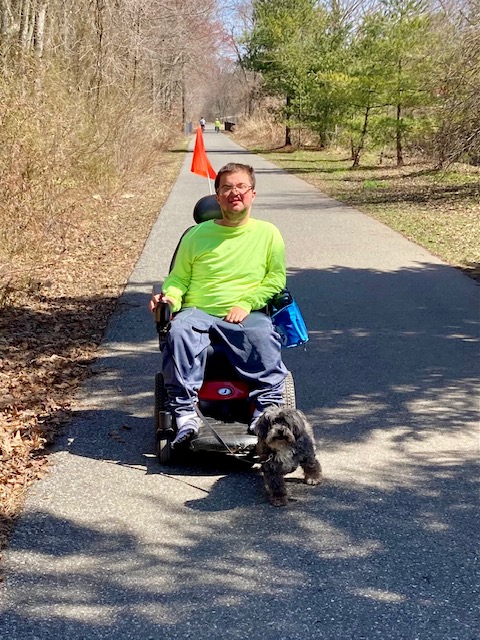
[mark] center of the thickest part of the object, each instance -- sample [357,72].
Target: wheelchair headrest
[207,208]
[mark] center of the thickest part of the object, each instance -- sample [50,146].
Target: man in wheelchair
[224,273]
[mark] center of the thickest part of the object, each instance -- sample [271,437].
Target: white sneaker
[186,432]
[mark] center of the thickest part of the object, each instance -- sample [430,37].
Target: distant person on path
[202,123]
[225,272]
[217,125]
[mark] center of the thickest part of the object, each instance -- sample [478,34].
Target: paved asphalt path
[112,547]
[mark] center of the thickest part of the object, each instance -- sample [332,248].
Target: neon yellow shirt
[217,267]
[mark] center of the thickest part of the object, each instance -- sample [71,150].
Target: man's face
[235,196]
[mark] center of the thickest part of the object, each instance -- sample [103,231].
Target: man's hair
[233,167]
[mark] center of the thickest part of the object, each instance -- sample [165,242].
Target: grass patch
[374,184]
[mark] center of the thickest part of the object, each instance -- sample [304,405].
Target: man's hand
[236,315]
[159,297]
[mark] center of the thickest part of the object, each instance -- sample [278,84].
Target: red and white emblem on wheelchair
[225,391]
[213,390]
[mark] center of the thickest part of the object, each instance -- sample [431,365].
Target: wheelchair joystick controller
[163,317]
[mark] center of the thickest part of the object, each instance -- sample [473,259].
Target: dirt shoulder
[50,333]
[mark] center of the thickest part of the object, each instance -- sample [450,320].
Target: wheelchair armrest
[163,316]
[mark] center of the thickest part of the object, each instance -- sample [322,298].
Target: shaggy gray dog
[285,442]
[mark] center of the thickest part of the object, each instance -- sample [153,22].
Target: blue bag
[289,323]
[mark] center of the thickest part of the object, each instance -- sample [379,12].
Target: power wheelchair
[223,397]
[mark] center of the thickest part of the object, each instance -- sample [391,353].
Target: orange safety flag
[200,164]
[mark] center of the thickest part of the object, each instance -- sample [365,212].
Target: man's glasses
[241,189]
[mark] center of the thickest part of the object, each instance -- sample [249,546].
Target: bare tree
[459,86]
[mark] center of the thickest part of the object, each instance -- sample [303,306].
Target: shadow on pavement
[389,356]
[397,561]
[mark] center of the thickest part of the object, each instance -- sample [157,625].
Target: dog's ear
[264,424]
[296,421]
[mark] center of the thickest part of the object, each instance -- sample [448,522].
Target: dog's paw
[278,501]
[312,481]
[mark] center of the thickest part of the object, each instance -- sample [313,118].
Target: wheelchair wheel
[289,399]
[163,423]
[164,449]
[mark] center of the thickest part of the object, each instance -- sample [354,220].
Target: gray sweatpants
[253,347]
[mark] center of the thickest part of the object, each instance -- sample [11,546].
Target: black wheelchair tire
[289,398]
[160,399]
[163,432]
[164,449]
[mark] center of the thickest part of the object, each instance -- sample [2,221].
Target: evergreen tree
[280,47]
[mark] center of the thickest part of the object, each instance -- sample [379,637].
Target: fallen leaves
[50,332]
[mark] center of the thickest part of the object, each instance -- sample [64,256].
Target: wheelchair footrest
[233,433]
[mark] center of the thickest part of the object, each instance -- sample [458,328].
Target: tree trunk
[288,136]
[400,162]
[288,132]
[24,23]
[39,33]
[5,18]
[99,26]
[361,143]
